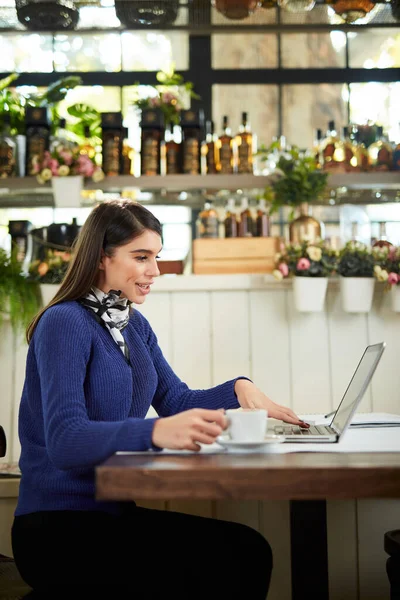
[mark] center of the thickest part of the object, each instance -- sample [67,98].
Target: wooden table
[306,479]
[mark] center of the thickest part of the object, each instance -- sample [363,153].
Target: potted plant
[19,296]
[170,95]
[49,273]
[387,271]
[356,269]
[309,264]
[66,167]
[297,181]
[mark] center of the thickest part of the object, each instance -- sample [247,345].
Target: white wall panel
[269,343]
[230,335]
[191,334]
[157,310]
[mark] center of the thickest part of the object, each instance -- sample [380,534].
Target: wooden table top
[253,476]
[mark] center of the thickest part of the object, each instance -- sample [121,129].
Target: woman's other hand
[249,396]
[186,430]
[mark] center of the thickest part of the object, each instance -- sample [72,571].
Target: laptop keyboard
[295,430]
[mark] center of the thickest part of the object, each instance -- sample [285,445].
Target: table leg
[309,550]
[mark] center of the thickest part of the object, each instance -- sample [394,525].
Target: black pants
[142,554]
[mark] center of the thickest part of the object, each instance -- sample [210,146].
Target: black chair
[12,586]
[392,547]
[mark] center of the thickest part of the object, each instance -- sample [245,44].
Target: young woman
[93,370]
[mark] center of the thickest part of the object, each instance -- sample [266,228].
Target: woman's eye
[158,256]
[141,258]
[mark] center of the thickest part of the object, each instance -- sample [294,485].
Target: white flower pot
[48,291]
[67,191]
[309,293]
[395,298]
[357,293]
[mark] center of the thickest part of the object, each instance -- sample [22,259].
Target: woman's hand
[187,429]
[249,396]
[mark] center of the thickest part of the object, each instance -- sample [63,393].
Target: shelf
[343,188]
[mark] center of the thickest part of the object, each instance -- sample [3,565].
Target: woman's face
[133,267]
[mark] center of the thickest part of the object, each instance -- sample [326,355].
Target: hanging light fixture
[297,6]
[132,13]
[236,9]
[396,9]
[269,3]
[351,10]
[47,15]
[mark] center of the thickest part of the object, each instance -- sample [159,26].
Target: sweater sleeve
[62,350]
[173,395]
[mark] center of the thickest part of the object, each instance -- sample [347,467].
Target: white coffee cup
[246,425]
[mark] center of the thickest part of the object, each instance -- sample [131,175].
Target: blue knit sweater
[82,402]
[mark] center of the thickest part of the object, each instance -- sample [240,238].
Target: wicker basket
[47,15]
[132,13]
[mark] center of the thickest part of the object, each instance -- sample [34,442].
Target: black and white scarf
[113,311]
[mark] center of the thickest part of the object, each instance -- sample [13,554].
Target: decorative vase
[356,293]
[305,227]
[309,293]
[395,298]
[67,191]
[48,291]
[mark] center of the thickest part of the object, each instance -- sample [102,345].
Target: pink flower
[284,269]
[66,157]
[393,278]
[168,97]
[303,264]
[154,102]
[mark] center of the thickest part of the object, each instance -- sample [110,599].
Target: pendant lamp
[352,10]
[269,3]
[236,9]
[132,13]
[47,15]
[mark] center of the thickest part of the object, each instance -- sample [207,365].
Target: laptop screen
[357,386]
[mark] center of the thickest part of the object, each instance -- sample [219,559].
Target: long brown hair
[111,224]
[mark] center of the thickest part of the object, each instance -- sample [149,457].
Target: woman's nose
[153,270]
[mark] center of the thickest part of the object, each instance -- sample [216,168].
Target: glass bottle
[246,225]
[245,144]
[207,222]
[128,154]
[230,222]
[227,149]
[210,151]
[172,151]
[380,153]
[152,150]
[317,148]
[332,148]
[382,241]
[192,122]
[112,139]
[37,136]
[8,149]
[361,153]
[262,228]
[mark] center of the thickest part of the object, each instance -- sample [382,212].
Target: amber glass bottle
[246,224]
[152,142]
[37,135]
[172,152]
[207,222]
[210,151]
[227,149]
[262,228]
[192,122]
[230,222]
[244,141]
[112,140]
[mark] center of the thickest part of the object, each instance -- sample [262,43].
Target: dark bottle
[262,228]
[152,152]
[230,222]
[37,136]
[207,222]
[112,139]
[382,241]
[227,149]
[7,149]
[244,140]
[192,122]
[211,150]
[246,225]
[172,152]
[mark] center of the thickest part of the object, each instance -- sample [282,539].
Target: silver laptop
[347,407]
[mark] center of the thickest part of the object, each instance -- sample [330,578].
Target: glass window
[94,52]
[374,49]
[260,102]
[313,50]
[244,51]
[376,103]
[154,50]
[261,16]
[26,53]
[306,108]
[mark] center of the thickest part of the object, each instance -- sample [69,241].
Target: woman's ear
[101,263]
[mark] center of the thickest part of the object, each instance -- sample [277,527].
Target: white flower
[46,174]
[98,175]
[63,171]
[377,270]
[383,275]
[314,253]
[40,179]
[277,274]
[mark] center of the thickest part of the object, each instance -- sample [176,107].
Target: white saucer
[267,443]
